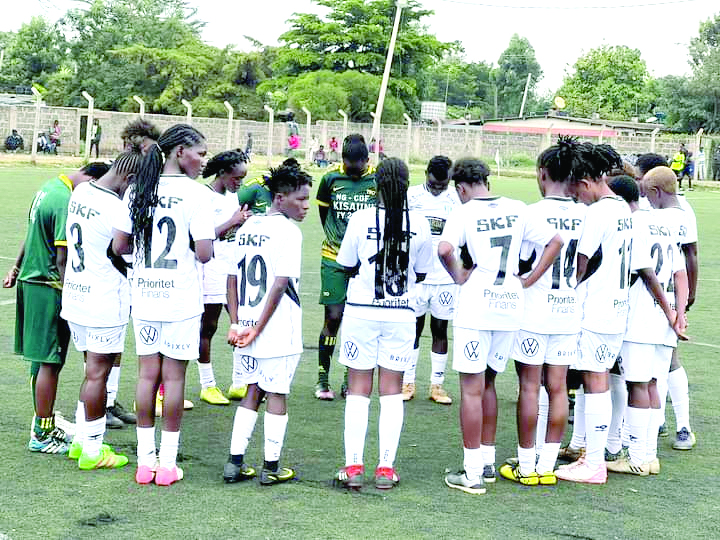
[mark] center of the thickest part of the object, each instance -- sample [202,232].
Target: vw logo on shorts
[148,335]
[530,347]
[472,350]
[602,353]
[351,350]
[249,364]
[446,298]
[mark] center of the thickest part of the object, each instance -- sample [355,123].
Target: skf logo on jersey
[351,350]
[446,298]
[472,350]
[602,353]
[249,364]
[530,347]
[148,335]
[601,428]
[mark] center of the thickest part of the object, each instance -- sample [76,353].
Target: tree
[468,86]
[514,65]
[705,61]
[35,52]
[354,36]
[610,80]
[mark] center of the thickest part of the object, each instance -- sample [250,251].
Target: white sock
[542,420]
[578,435]
[526,458]
[598,411]
[94,431]
[637,427]
[438,362]
[275,426]
[624,434]
[145,446]
[207,377]
[390,423]
[662,389]
[243,426]
[112,385]
[409,375]
[651,441]
[618,397]
[80,423]
[169,444]
[473,463]
[548,457]
[680,396]
[357,410]
[238,373]
[488,454]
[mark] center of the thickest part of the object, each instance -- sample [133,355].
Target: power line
[569,8]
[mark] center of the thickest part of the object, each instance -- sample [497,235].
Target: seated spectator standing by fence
[14,142]
[293,144]
[319,157]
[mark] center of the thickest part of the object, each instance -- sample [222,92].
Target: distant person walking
[96,136]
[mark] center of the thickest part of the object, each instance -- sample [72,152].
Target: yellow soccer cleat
[213,396]
[439,395]
[408,391]
[237,392]
[106,459]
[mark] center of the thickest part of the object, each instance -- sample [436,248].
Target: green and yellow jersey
[255,194]
[342,195]
[46,231]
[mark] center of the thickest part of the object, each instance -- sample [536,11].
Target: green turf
[46,496]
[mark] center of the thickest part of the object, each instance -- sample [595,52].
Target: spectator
[43,142]
[293,143]
[333,144]
[248,146]
[96,136]
[55,132]
[14,142]
[319,158]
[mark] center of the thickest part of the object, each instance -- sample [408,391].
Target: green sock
[42,426]
[326,348]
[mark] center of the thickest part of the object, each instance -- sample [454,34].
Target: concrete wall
[422,143]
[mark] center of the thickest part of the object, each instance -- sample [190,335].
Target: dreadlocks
[143,198]
[391,264]
[561,160]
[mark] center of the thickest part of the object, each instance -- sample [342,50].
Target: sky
[559,30]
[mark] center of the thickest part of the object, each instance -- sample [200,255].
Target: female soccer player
[490,305]
[96,303]
[169,226]
[603,274]
[229,169]
[391,250]
[547,341]
[266,318]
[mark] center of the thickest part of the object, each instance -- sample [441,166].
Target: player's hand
[232,338]
[523,281]
[690,302]
[10,278]
[241,215]
[247,336]
[463,274]
[680,327]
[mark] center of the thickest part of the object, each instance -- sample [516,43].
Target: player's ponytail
[598,160]
[224,162]
[393,259]
[561,161]
[143,198]
[129,161]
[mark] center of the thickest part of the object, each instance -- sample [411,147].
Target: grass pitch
[46,496]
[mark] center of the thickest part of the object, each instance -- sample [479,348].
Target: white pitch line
[7,258]
[711,345]
[7,302]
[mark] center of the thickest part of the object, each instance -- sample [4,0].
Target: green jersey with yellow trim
[342,195]
[46,231]
[255,194]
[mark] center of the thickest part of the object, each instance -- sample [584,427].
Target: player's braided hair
[224,162]
[597,159]
[647,162]
[286,179]
[143,198]
[561,161]
[129,161]
[393,258]
[439,167]
[139,129]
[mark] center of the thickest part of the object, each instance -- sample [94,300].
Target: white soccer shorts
[439,300]
[179,340]
[476,350]
[109,340]
[214,283]
[597,352]
[640,362]
[273,375]
[366,344]
[537,349]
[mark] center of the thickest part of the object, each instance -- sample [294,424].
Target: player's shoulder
[257,181]
[335,173]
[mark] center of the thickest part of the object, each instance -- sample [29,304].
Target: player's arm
[681,300]
[12,274]
[582,264]
[277,290]
[454,266]
[240,216]
[691,265]
[656,291]
[122,243]
[61,261]
[232,307]
[323,199]
[203,250]
[549,254]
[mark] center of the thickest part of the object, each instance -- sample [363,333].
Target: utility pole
[524,100]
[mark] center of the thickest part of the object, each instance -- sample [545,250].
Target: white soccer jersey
[268,247]
[223,208]
[436,210]
[165,281]
[607,243]
[362,243]
[493,230]
[95,293]
[551,305]
[690,233]
[654,247]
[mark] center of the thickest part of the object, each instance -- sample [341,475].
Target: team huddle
[586,289]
